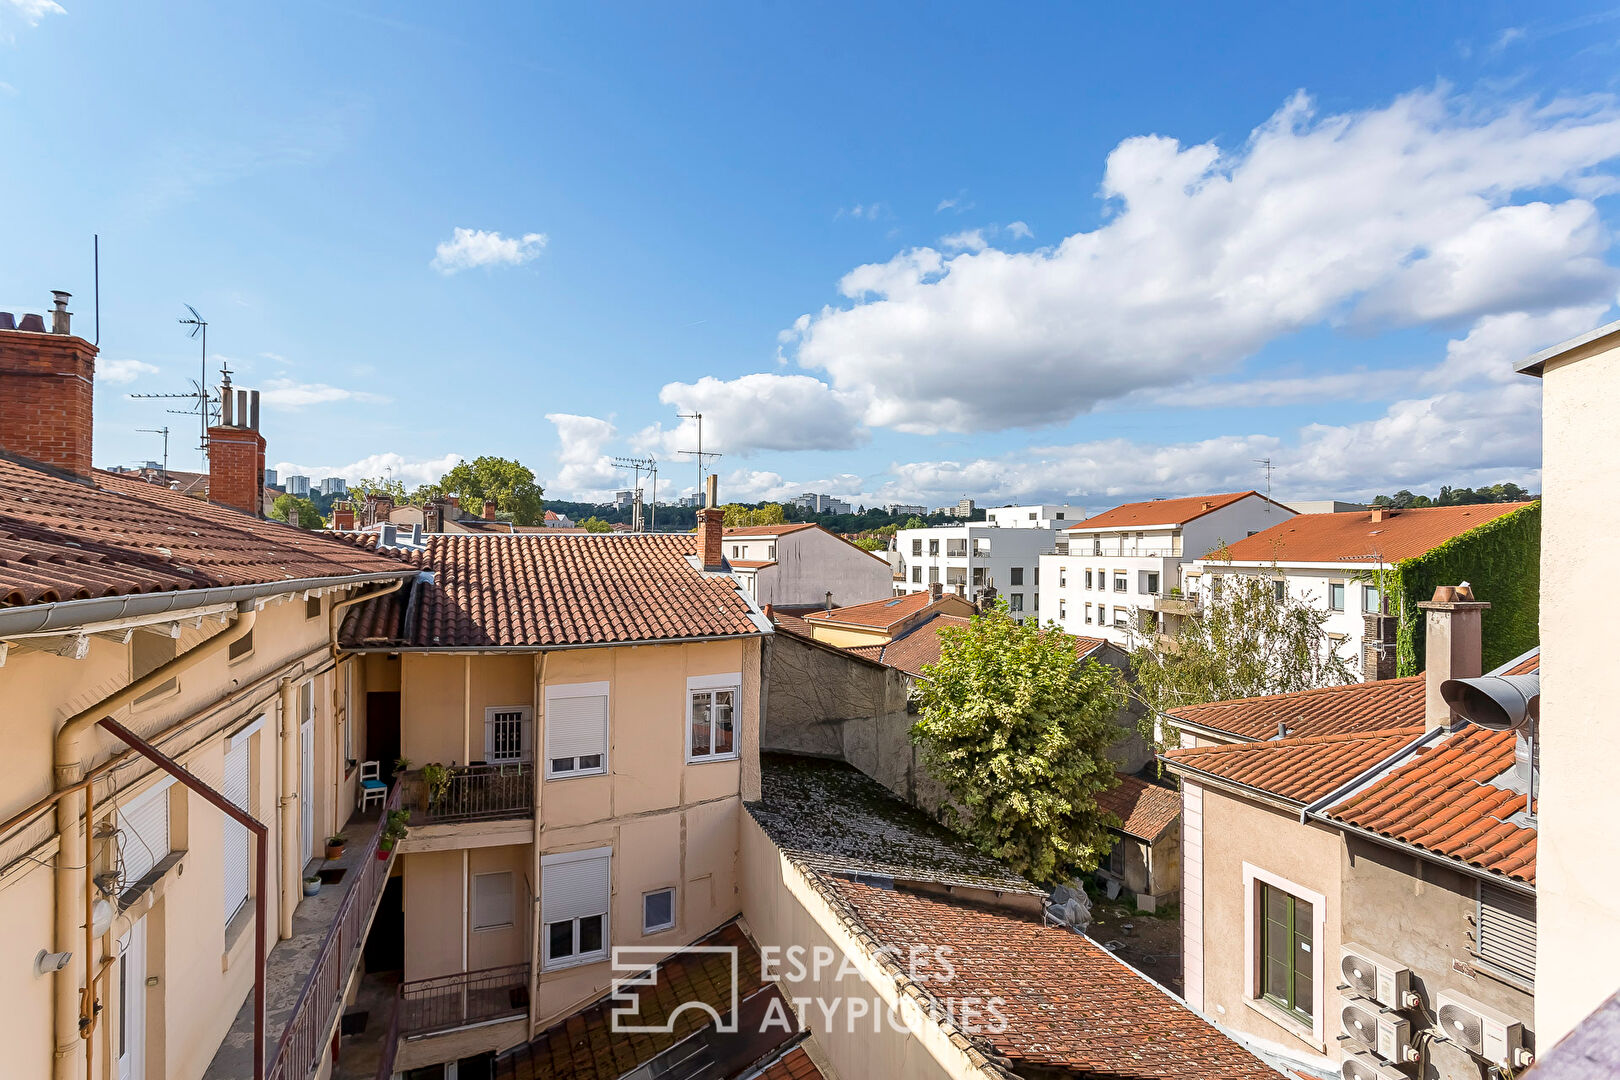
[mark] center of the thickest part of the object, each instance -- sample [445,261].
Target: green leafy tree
[509,483]
[763,514]
[1244,640]
[1017,730]
[596,525]
[915,522]
[394,489]
[309,515]
[871,543]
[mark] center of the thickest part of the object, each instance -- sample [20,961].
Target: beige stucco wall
[783,910]
[203,968]
[1578,944]
[1236,831]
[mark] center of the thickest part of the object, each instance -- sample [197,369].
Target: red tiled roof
[793,624]
[793,1065]
[1442,799]
[878,614]
[1355,707]
[1160,511]
[768,530]
[749,564]
[118,535]
[921,645]
[1352,537]
[1146,810]
[544,589]
[1069,1004]
[1302,770]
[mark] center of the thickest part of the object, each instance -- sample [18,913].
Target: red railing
[307,1036]
[448,1002]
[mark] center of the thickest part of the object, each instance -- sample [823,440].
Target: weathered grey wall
[1421,914]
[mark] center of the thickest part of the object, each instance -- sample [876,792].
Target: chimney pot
[32,324]
[1452,647]
[489,509]
[388,537]
[711,537]
[61,317]
[343,517]
[416,535]
[8,321]
[236,453]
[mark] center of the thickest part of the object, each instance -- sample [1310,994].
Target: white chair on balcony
[372,788]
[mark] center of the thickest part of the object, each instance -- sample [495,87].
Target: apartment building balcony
[429,1021]
[469,806]
[1175,603]
[308,975]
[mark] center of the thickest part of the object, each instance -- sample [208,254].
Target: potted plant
[436,780]
[312,885]
[334,845]
[393,833]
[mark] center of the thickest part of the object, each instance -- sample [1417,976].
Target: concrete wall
[813,562]
[1421,914]
[202,966]
[1578,958]
[783,910]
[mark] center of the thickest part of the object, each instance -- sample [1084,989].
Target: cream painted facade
[198,955]
[664,821]
[1578,947]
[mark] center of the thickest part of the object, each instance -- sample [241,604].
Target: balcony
[1176,603]
[1147,551]
[470,806]
[444,1018]
[307,975]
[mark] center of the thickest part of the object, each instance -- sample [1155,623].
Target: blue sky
[1017,252]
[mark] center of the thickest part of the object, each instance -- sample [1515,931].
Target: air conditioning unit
[1362,1067]
[1385,1033]
[1376,977]
[1481,1030]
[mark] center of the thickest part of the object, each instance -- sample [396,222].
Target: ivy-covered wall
[1501,559]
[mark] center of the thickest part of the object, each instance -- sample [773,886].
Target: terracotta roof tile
[1352,537]
[118,535]
[1069,1004]
[1302,770]
[1356,707]
[1146,810]
[768,530]
[545,589]
[1443,799]
[749,564]
[879,614]
[1160,511]
[793,1065]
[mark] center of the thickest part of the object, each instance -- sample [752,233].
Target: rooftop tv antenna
[698,453]
[163,431]
[649,465]
[199,328]
[1265,463]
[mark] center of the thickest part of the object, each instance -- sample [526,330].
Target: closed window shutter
[574,889]
[144,823]
[1507,930]
[236,834]
[576,726]
[492,900]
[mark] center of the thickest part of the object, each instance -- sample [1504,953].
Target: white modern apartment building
[1131,559]
[298,485]
[821,504]
[1045,516]
[905,508]
[967,558]
[334,485]
[802,565]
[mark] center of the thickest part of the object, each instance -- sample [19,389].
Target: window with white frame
[1335,596]
[575,891]
[1121,581]
[576,730]
[492,901]
[508,734]
[1283,933]
[1088,613]
[1088,579]
[657,910]
[711,716]
[1119,617]
[1369,599]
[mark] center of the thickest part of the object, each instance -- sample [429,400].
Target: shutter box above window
[576,729]
[574,885]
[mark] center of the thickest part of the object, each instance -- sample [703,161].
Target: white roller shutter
[574,885]
[577,727]
[237,838]
[492,900]
[143,824]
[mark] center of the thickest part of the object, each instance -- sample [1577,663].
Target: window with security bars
[1505,930]
[506,735]
[711,724]
[1286,946]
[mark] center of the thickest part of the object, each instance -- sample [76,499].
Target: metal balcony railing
[307,1037]
[448,1002]
[474,793]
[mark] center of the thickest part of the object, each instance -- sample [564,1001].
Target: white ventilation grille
[1507,930]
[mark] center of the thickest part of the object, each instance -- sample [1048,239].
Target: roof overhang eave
[71,614]
[1525,887]
[496,650]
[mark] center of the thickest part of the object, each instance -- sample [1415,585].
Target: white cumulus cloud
[32,11]
[758,412]
[409,471]
[123,371]
[290,394]
[585,470]
[469,248]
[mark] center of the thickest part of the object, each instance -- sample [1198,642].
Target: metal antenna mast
[1265,463]
[199,326]
[649,465]
[163,431]
[699,453]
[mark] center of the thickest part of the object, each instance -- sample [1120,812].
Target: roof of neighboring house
[501,528]
[1300,770]
[550,588]
[1069,1004]
[878,614]
[749,564]
[62,539]
[1354,707]
[1146,810]
[1354,537]
[1455,794]
[1160,511]
[793,624]
[768,530]
[921,645]
[589,1045]
[830,817]
[793,1065]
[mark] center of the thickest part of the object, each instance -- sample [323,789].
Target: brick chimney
[936,591]
[343,517]
[489,509]
[46,384]
[1452,644]
[1376,515]
[236,452]
[711,530]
